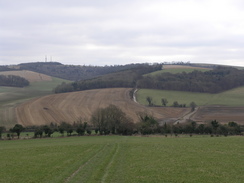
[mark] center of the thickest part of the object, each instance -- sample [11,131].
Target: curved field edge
[70,107]
[29,75]
[234,97]
[10,97]
[223,107]
[118,159]
[174,69]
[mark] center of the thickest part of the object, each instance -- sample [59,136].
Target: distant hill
[217,80]
[74,72]
[127,79]
[28,75]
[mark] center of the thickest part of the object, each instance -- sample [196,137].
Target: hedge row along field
[123,159]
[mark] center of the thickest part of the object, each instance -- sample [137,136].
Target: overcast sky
[108,32]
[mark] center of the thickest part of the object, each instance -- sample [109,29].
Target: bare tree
[149,100]
[164,101]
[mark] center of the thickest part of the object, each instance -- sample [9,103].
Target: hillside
[40,85]
[70,107]
[74,72]
[124,79]
[175,69]
[212,81]
[230,98]
[29,75]
[224,107]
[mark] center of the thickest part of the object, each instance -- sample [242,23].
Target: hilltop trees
[126,78]
[213,81]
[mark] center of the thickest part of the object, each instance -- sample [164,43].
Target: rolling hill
[70,107]
[10,97]
[36,105]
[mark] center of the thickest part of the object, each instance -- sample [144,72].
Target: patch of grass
[234,97]
[123,159]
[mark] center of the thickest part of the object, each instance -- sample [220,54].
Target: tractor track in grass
[84,164]
[115,152]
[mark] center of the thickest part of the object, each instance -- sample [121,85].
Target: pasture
[175,69]
[224,107]
[234,97]
[125,159]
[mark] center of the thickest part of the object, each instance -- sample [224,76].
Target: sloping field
[70,107]
[10,97]
[182,67]
[231,98]
[174,69]
[221,114]
[29,75]
[224,107]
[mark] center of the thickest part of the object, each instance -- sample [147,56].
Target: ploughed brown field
[75,106]
[70,107]
[220,113]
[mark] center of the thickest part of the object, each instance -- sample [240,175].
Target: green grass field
[123,159]
[233,97]
[178,70]
[12,96]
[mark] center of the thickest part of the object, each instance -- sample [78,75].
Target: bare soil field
[221,114]
[70,107]
[29,75]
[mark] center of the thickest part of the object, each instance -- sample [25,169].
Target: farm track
[70,107]
[101,163]
[84,164]
[108,167]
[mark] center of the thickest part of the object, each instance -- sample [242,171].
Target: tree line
[214,81]
[164,103]
[112,120]
[75,72]
[13,81]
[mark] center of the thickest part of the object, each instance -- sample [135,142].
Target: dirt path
[187,116]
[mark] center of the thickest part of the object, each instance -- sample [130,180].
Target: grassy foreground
[123,159]
[234,97]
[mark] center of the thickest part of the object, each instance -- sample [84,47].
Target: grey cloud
[111,31]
